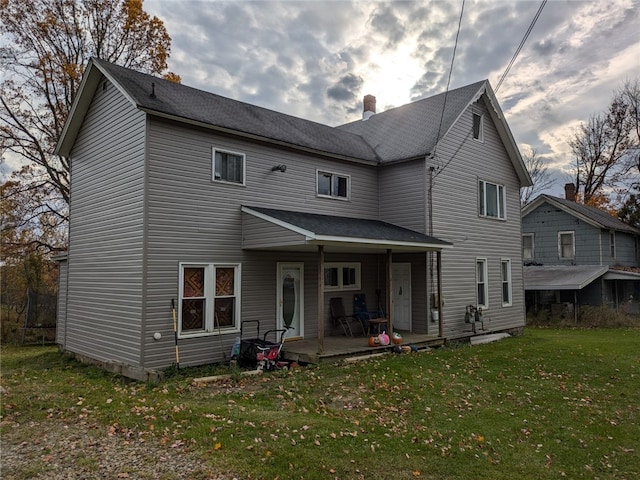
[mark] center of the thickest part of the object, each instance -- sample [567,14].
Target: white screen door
[290,298]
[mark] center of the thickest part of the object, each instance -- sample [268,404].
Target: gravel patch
[59,450]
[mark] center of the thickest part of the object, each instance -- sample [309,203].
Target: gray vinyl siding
[105,293]
[546,221]
[194,219]
[61,312]
[460,163]
[403,195]
[260,233]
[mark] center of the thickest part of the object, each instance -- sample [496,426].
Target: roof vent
[369,107]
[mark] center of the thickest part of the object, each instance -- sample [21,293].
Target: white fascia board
[377,242]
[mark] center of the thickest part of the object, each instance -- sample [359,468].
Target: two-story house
[235,213]
[578,255]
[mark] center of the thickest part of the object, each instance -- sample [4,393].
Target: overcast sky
[316,59]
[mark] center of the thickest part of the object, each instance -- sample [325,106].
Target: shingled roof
[591,215]
[402,133]
[411,130]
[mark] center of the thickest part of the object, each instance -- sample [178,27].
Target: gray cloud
[311,58]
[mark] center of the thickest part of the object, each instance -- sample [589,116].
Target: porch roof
[561,277]
[272,229]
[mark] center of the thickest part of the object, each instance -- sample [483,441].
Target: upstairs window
[528,253]
[478,133]
[333,185]
[228,166]
[491,200]
[566,245]
[612,243]
[341,276]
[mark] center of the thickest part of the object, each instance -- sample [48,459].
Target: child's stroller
[260,352]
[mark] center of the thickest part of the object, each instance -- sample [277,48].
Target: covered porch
[317,236]
[341,347]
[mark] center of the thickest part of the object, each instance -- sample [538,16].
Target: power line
[524,39]
[446,92]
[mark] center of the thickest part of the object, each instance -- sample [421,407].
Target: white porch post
[320,299]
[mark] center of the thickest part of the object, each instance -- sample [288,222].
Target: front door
[401,296]
[290,298]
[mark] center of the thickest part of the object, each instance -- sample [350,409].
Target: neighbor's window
[505,274]
[612,243]
[482,288]
[209,299]
[566,245]
[478,133]
[333,184]
[491,200]
[527,246]
[228,166]
[341,276]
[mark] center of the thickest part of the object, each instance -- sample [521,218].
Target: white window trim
[340,286]
[334,197]
[209,286]
[231,152]
[485,280]
[507,280]
[612,243]
[482,208]
[573,244]
[533,246]
[480,137]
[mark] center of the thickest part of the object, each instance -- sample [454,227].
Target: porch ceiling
[561,277]
[271,229]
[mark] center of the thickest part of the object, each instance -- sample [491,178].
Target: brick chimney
[570,191]
[369,107]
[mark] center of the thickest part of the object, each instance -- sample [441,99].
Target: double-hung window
[491,199]
[341,276]
[528,248]
[612,243]
[505,274]
[566,245]
[333,185]
[478,133]
[228,166]
[209,298]
[482,283]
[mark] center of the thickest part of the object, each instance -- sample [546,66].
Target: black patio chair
[340,318]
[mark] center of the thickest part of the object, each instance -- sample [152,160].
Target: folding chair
[340,318]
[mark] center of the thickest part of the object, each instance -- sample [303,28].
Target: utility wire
[524,39]
[446,92]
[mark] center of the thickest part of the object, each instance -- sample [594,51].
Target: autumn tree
[48,43]
[539,173]
[606,148]
[630,211]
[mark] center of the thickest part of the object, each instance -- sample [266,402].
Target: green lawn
[553,403]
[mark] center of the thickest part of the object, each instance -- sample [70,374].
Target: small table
[377,322]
